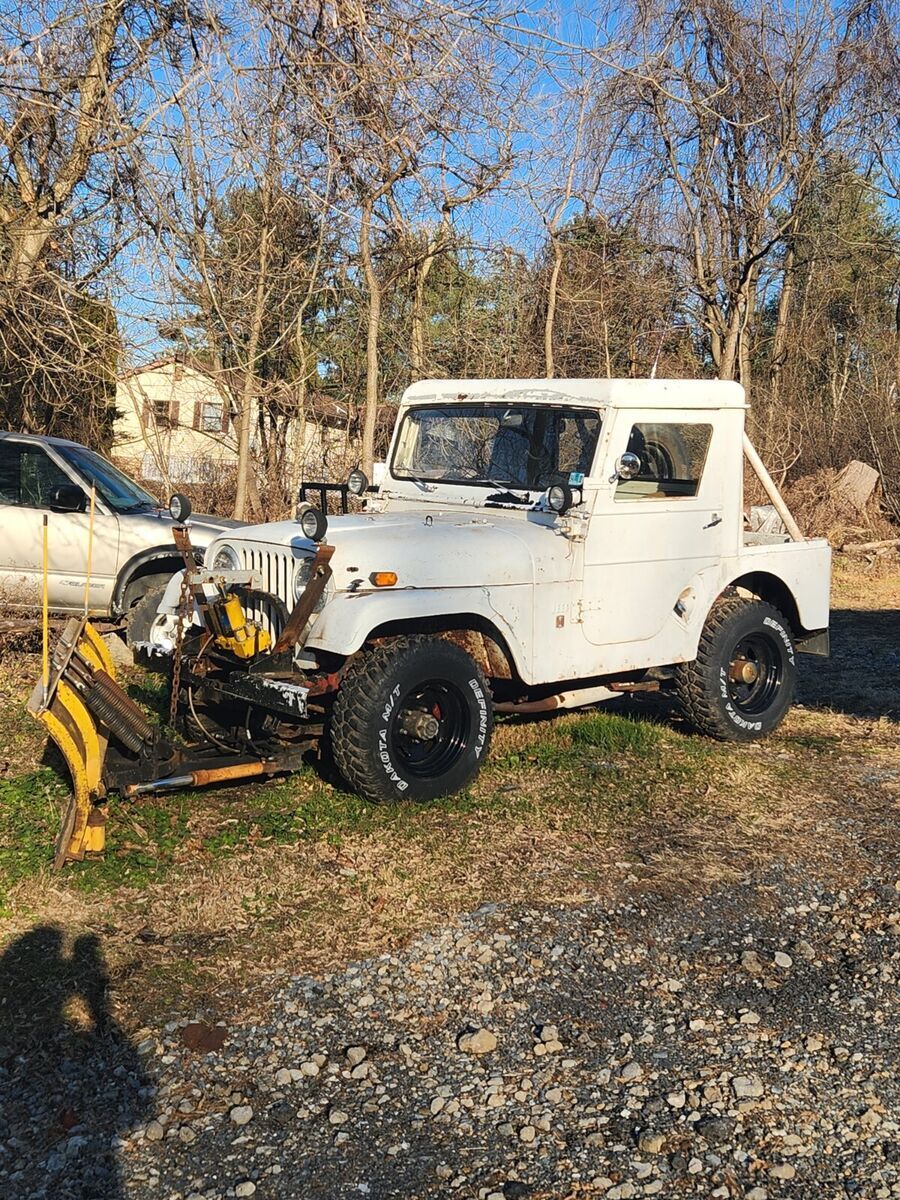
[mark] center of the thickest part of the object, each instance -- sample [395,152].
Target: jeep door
[650,536]
[29,479]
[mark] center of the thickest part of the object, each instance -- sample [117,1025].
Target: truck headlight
[301,577]
[357,482]
[226,559]
[560,498]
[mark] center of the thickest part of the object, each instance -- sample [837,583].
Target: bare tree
[731,109]
[80,93]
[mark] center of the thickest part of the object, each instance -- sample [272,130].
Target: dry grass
[820,512]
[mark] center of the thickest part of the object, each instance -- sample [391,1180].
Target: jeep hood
[437,549]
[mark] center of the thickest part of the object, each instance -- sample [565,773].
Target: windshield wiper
[137,506]
[507,496]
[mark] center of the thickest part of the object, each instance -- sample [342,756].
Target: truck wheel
[412,720]
[140,616]
[740,685]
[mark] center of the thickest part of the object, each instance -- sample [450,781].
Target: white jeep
[535,544]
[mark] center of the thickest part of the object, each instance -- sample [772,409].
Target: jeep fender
[350,617]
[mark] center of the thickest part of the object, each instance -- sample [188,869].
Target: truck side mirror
[628,466]
[67,497]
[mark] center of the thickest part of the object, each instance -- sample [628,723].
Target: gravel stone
[241,1114]
[478,1041]
[782,1171]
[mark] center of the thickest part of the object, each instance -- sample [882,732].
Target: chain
[179,643]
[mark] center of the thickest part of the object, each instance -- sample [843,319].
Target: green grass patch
[30,808]
[613,734]
[564,743]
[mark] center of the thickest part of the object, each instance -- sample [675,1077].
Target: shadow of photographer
[71,1083]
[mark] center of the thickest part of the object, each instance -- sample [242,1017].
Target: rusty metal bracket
[182,539]
[312,593]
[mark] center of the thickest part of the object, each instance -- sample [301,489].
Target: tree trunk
[245,485]
[418,318]
[26,245]
[372,335]
[298,440]
[550,318]
[779,338]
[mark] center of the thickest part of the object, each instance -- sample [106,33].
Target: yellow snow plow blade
[80,664]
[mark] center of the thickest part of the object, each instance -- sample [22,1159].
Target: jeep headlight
[302,576]
[225,558]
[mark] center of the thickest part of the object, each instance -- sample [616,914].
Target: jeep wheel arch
[774,591]
[478,637]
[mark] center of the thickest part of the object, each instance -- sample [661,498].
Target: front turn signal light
[383,578]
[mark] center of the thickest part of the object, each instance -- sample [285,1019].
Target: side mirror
[67,497]
[628,466]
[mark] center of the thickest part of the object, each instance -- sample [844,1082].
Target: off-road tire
[140,617]
[370,748]
[706,689]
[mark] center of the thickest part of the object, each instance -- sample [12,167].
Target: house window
[211,416]
[165,414]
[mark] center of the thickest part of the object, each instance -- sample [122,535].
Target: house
[175,424]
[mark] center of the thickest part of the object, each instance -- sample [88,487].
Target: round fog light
[180,507]
[313,522]
[357,482]
[559,497]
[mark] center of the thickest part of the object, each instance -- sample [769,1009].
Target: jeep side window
[28,476]
[672,460]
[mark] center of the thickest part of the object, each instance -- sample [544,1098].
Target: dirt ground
[202,897]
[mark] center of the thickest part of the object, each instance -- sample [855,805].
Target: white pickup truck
[535,544]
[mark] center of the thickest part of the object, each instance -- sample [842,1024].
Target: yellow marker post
[90,550]
[45,614]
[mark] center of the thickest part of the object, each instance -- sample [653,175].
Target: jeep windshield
[525,446]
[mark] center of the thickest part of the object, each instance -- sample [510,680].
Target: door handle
[716,520]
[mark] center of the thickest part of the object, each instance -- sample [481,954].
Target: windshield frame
[489,402]
[74,458]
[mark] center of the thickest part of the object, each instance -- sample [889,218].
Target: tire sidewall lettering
[481,699]
[778,628]
[756,726]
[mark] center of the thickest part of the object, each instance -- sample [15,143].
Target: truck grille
[276,570]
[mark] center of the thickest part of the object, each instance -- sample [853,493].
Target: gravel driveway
[743,1047]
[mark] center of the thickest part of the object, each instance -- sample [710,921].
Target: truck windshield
[120,493]
[525,446]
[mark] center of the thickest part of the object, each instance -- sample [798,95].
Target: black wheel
[142,614]
[412,720]
[740,685]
